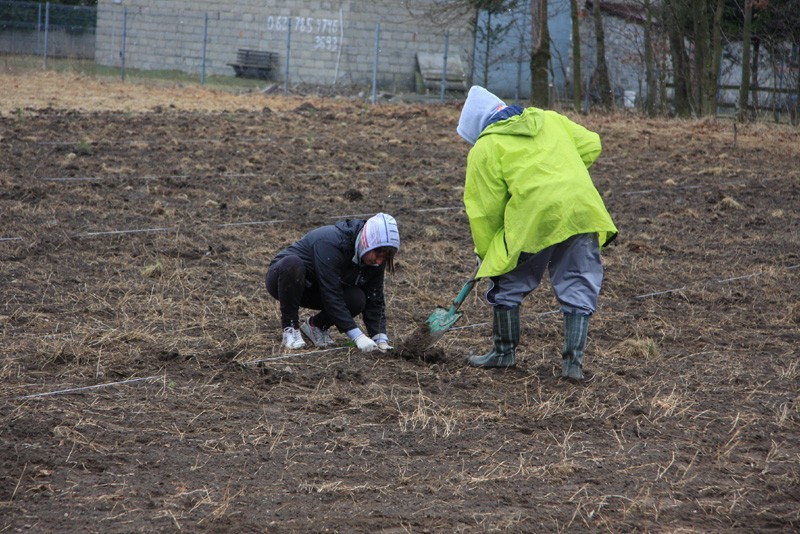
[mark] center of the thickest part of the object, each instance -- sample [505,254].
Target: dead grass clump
[425,414]
[153,270]
[638,348]
[728,203]
[794,313]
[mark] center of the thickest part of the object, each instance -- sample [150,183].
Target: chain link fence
[283,51]
[47,30]
[370,48]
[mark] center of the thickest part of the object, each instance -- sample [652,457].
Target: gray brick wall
[331,41]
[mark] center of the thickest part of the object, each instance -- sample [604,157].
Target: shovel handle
[462,295]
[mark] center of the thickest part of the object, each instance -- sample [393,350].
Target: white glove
[382,341]
[365,344]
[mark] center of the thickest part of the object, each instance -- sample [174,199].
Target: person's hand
[382,341]
[365,344]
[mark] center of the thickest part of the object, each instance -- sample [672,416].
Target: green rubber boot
[576,328]
[505,335]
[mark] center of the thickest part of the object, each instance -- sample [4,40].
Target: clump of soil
[417,346]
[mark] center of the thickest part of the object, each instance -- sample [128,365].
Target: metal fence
[47,30]
[394,55]
[196,46]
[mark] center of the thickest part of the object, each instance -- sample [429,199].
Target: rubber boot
[576,328]
[505,335]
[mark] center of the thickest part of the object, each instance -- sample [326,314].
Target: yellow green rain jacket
[528,188]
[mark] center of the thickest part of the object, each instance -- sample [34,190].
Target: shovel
[442,319]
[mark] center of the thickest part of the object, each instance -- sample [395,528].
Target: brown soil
[143,386]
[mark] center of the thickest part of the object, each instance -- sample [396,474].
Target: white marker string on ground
[292,355]
[85,388]
[253,223]
[475,325]
[118,232]
[719,281]
[346,216]
[73,179]
[150,230]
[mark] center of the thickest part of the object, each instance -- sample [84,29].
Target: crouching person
[338,270]
[532,208]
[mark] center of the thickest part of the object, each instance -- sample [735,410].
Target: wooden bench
[255,64]
[429,73]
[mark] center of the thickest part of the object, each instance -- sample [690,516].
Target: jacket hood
[478,109]
[527,124]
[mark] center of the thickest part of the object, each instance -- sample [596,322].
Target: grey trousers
[576,274]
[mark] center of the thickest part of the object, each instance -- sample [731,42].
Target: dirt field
[143,386]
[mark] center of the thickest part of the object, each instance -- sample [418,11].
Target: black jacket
[327,253]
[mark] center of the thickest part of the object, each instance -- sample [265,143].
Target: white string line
[140,141]
[145,230]
[647,191]
[184,176]
[286,356]
[72,179]
[719,281]
[421,210]
[222,225]
[99,178]
[292,355]
[251,223]
[684,187]
[475,325]
[116,232]
[85,388]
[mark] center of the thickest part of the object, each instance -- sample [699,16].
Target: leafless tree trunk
[744,88]
[754,72]
[603,81]
[680,61]
[576,56]
[649,61]
[716,52]
[702,41]
[540,54]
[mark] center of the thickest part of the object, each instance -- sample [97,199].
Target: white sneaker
[292,339]
[321,338]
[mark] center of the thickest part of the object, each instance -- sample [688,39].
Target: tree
[705,95]
[446,12]
[540,54]
[780,26]
[649,60]
[603,81]
[489,33]
[744,87]
[716,54]
[681,76]
[576,55]
[698,24]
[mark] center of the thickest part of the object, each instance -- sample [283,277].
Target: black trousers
[286,281]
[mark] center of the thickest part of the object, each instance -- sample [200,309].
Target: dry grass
[688,421]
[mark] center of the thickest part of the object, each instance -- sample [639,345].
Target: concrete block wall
[329,41]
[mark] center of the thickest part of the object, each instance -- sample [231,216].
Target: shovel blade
[426,335]
[442,319]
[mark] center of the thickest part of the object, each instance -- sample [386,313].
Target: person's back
[533,208]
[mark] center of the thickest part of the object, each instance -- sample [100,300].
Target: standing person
[339,270]
[532,207]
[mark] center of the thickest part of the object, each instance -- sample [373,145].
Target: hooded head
[379,231]
[478,109]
